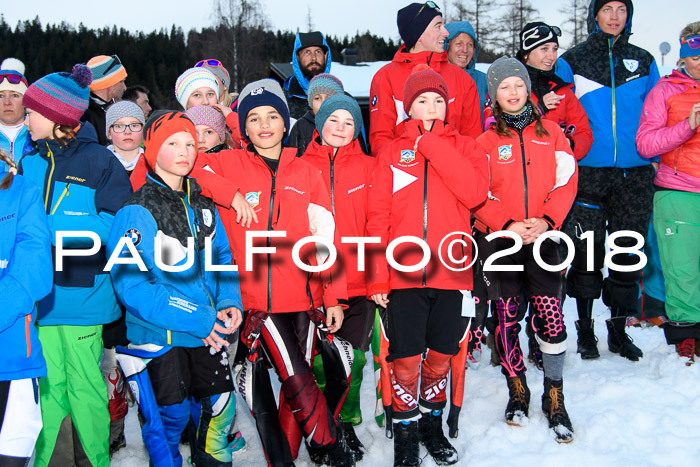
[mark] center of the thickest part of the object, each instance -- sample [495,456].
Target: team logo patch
[253,198]
[408,156]
[134,235]
[631,65]
[207,217]
[374,100]
[257,91]
[505,152]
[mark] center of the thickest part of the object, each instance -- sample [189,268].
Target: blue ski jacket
[176,308]
[83,186]
[611,78]
[25,277]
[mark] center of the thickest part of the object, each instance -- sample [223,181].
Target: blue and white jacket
[172,308]
[611,78]
[15,148]
[25,277]
[83,186]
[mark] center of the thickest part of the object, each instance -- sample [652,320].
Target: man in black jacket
[108,76]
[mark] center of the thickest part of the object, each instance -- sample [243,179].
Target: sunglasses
[693,41]
[116,62]
[210,62]
[538,34]
[13,78]
[432,5]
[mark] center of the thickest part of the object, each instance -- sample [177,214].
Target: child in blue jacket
[179,308]
[25,277]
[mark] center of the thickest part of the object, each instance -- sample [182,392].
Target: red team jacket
[426,194]
[348,177]
[294,200]
[531,176]
[386,97]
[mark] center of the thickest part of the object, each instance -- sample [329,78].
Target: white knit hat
[191,79]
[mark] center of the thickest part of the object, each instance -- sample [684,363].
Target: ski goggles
[432,5]
[13,78]
[690,46]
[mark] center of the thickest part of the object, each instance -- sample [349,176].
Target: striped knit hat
[123,109]
[209,116]
[325,83]
[106,71]
[191,79]
[61,97]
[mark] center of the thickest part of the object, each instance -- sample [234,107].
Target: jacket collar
[433,59]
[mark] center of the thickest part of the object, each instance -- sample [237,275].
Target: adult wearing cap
[462,49]
[311,57]
[14,137]
[107,87]
[423,33]
[669,126]
[612,78]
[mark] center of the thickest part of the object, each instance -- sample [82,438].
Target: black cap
[312,39]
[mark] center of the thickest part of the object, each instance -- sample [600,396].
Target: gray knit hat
[123,109]
[333,103]
[324,83]
[503,68]
[266,83]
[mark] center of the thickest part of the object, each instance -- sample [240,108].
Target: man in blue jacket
[612,79]
[311,57]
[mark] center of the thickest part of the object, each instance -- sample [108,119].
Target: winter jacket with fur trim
[530,176]
[664,129]
[386,97]
[293,199]
[425,192]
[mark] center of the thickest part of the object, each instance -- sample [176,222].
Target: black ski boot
[338,454]
[406,445]
[352,441]
[554,410]
[619,341]
[587,341]
[519,402]
[319,456]
[433,438]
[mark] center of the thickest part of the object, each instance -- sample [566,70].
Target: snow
[356,79]
[624,413]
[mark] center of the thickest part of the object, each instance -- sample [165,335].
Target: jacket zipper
[332,185]
[522,155]
[614,108]
[49,179]
[269,240]
[425,213]
[60,198]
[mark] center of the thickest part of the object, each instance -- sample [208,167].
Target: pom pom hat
[61,97]
[423,79]
[160,127]
[192,79]
[106,71]
[333,103]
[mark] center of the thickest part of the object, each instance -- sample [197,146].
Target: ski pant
[608,199]
[677,225]
[20,421]
[357,330]
[543,289]
[653,287]
[73,391]
[420,320]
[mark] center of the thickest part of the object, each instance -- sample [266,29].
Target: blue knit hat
[61,97]
[268,93]
[333,103]
[414,19]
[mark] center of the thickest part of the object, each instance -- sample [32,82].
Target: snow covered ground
[624,413]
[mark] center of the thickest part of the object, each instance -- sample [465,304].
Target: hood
[301,79]
[455,29]
[432,59]
[593,25]
[678,77]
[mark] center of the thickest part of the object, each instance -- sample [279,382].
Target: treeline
[156,59]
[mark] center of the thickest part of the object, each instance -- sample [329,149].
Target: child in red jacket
[347,172]
[533,180]
[424,185]
[265,189]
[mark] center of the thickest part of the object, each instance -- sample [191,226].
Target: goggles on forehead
[539,35]
[13,78]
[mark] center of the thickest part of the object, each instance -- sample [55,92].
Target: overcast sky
[654,21]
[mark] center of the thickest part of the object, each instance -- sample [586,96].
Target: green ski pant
[73,386]
[350,411]
[677,226]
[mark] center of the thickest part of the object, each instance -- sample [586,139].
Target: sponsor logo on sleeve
[134,235]
[207,217]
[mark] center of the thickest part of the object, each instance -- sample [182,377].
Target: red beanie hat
[422,79]
[160,127]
